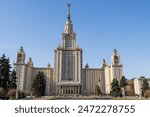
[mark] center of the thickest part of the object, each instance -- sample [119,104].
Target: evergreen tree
[123,82]
[4,72]
[145,86]
[39,84]
[97,90]
[115,89]
[13,80]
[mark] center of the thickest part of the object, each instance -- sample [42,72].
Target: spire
[21,49]
[103,63]
[69,5]
[115,58]
[68,26]
[115,52]
[30,63]
[87,66]
[21,55]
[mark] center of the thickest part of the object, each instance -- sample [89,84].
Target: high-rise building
[68,77]
[68,62]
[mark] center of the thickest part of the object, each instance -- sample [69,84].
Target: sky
[100,25]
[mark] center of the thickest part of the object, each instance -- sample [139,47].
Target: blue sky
[101,26]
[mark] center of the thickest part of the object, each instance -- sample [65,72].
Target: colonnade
[69,90]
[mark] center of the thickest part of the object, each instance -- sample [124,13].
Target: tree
[21,94]
[97,90]
[115,89]
[145,86]
[4,72]
[39,84]
[12,93]
[13,80]
[147,93]
[129,89]
[123,83]
[2,92]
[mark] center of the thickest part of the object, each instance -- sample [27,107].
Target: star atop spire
[68,26]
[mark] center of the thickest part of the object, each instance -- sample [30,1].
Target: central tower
[68,62]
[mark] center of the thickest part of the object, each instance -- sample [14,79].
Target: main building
[68,77]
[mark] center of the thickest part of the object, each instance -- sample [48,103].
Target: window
[68,66]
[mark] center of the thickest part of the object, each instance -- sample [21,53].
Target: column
[70,90]
[59,90]
[64,90]
[75,90]
[78,90]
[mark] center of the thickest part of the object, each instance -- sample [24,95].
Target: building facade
[68,62]
[138,83]
[68,77]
